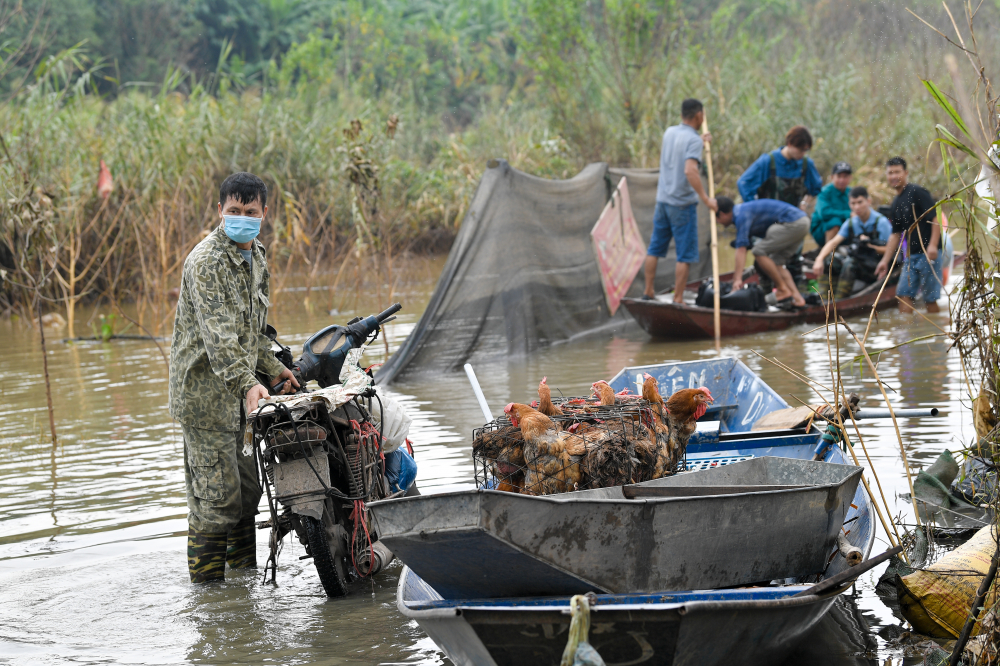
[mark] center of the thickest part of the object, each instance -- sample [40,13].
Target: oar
[833,582]
[471,374]
[716,316]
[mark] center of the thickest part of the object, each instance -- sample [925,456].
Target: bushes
[545,84]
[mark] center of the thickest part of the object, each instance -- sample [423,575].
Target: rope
[365,433]
[579,628]
[358,516]
[831,436]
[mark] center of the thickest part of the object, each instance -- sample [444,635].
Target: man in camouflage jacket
[218,347]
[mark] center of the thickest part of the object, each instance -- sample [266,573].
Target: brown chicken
[503,449]
[604,392]
[659,429]
[620,450]
[545,405]
[607,395]
[552,458]
[684,408]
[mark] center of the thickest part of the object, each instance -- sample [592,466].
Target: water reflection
[842,638]
[92,562]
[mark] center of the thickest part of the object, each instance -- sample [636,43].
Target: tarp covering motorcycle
[522,272]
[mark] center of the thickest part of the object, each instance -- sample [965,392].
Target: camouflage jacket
[218,342]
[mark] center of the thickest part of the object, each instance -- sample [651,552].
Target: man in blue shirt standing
[785,174]
[780,228]
[677,195]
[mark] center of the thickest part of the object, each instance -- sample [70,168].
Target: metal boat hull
[691,628]
[749,626]
[484,543]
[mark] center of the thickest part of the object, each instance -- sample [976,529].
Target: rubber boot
[241,552]
[845,281]
[823,285]
[796,269]
[206,556]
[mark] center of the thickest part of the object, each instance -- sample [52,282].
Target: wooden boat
[750,625]
[673,321]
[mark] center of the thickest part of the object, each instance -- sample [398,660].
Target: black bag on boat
[748,299]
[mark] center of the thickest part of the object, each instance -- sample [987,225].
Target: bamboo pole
[716,316]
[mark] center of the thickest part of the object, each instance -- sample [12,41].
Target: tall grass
[548,96]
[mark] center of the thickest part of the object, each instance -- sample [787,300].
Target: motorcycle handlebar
[391,310]
[276,389]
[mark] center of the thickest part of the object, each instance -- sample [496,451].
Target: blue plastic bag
[400,469]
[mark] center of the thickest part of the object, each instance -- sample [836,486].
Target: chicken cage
[592,446]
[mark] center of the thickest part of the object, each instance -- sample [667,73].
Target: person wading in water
[913,213]
[218,348]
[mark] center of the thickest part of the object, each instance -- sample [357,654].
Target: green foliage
[105,327]
[270,86]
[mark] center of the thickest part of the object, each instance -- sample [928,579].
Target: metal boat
[603,541]
[753,625]
[752,521]
[741,397]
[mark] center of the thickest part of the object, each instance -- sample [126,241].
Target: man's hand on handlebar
[288,382]
[255,395]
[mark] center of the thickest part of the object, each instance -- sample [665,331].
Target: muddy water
[92,547]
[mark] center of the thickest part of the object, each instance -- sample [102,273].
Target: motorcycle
[321,454]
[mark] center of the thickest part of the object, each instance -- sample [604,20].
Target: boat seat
[715,412]
[701,463]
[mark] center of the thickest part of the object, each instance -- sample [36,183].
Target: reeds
[491,95]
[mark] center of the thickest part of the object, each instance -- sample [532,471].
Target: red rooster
[104,181]
[684,408]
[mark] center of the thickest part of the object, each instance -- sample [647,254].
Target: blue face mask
[242,229]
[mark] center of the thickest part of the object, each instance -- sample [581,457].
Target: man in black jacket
[913,214]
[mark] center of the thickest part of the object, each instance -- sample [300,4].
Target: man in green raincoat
[217,351]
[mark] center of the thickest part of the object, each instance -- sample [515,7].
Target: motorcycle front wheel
[330,562]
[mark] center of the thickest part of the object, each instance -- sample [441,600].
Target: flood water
[92,530]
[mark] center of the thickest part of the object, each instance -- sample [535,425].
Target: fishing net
[606,446]
[522,272]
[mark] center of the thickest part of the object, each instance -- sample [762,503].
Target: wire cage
[593,446]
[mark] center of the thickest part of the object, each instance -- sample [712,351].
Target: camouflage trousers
[221,483]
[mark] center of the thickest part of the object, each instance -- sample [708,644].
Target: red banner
[618,245]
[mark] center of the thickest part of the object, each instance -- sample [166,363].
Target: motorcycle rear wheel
[330,562]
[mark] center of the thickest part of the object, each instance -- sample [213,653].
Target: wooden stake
[45,367]
[716,318]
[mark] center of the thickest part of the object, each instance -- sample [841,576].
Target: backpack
[789,190]
[748,299]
